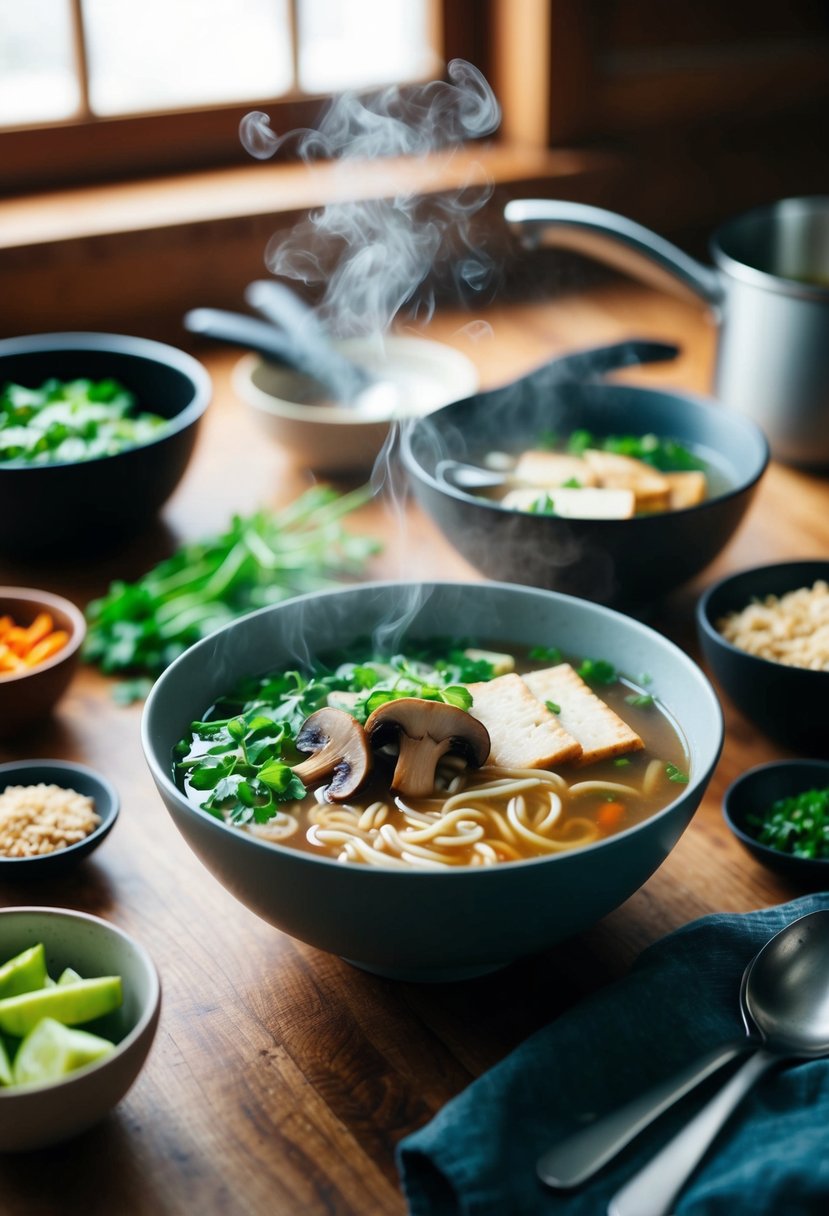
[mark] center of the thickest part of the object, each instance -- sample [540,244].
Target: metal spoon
[786,996]
[347,382]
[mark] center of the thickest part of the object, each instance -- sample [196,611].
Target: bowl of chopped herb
[779,812]
[613,492]
[96,431]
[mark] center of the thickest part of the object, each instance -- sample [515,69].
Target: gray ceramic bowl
[69,776]
[87,505]
[789,704]
[427,925]
[614,561]
[39,1115]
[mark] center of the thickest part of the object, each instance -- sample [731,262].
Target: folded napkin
[477,1156]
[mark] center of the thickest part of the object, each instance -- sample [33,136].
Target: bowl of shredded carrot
[40,639]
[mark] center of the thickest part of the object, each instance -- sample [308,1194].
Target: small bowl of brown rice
[53,813]
[764,633]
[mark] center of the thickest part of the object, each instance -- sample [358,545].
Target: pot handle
[613,239]
[597,361]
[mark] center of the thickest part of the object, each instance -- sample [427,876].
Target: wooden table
[282,1078]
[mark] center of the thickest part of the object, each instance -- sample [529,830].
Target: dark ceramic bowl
[789,704]
[427,924]
[83,506]
[28,696]
[611,561]
[755,792]
[35,1116]
[69,776]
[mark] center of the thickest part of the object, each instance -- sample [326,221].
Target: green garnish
[572,483]
[553,708]
[621,762]
[676,774]
[798,825]
[543,505]
[545,654]
[260,559]
[639,700]
[70,421]
[664,454]
[598,671]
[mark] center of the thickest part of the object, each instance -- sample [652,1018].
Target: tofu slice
[501,663]
[625,472]
[551,469]
[522,731]
[599,730]
[686,489]
[591,503]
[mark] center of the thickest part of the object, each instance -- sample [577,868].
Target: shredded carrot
[22,647]
[609,815]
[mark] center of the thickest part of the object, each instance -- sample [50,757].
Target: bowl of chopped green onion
[96,431]
[779,812]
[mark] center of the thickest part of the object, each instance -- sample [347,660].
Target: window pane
[37,68]
[160,54]
[363,42]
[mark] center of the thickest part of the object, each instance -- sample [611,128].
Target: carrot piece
[47,647]
[9,661]
[609,815]
[16,639]
[40,628]
[6,624]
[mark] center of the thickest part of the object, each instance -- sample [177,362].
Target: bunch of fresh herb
[262,558]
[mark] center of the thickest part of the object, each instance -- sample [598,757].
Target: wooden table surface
[282,1078]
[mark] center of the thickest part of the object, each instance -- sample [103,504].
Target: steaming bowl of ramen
[329,438]
[608,491]
[564,749]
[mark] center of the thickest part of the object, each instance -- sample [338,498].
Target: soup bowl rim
[162,774]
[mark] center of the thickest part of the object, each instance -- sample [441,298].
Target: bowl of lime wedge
[79,1007]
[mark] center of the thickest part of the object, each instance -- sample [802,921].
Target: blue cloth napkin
[477,1156]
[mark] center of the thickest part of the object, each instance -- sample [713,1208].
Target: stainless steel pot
[769,289]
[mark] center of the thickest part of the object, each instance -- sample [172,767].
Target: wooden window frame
[84,149]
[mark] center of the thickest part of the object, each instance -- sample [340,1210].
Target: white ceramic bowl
[35,1116]
[341,439]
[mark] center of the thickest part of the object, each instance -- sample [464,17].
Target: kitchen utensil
[304,348]
[786,997]
[578,1157]
[769,291]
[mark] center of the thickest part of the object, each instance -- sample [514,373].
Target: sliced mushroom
[425,731]
[339,750]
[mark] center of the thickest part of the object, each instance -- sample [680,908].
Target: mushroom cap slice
[339,749]
[425,731]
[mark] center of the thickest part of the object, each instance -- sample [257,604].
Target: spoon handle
[652,1190]
[578,1157]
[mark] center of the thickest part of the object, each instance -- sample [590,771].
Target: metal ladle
[573,1160]
[786,997]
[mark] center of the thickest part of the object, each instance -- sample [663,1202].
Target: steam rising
[374,257]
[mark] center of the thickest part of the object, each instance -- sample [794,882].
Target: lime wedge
[5,1065]
[68,976]
[67,1003]
[23,973]
[52,1050]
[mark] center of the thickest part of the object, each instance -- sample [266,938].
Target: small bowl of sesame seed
[53,813]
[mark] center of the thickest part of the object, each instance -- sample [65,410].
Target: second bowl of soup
[432,781]
[609,491]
